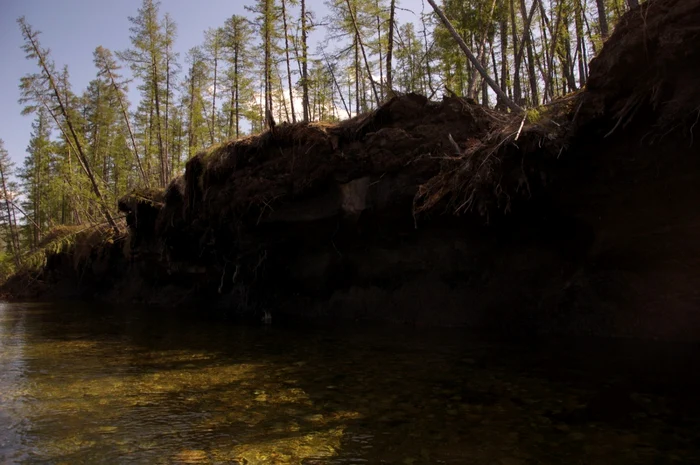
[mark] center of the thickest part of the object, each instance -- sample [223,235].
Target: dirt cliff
[579,218]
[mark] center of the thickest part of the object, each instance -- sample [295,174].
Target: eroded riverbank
[575,218]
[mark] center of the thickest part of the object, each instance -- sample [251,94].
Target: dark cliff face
[448,213]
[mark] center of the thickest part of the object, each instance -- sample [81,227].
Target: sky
[72,29]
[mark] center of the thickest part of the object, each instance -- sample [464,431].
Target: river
[83,383]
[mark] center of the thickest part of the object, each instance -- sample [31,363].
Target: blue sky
[73,28]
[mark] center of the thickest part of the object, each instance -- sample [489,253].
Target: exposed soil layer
[444,213]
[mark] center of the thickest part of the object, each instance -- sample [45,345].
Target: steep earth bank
[583,219]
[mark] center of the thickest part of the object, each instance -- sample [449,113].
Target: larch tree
[237,35]
[88,148]
[193,101]
[267,16]
[98,111]
[390,48]
[7,196]
[285,25]
[467,51]
[109,70]
[213,49]
[50,90]
[36,179]
[171,70]
[147,61]
[305,28]
[410,61]
[349,26]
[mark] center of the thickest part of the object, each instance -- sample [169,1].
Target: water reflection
[12,385]
[80,384]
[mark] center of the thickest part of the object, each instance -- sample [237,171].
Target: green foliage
[534,115]
[410,62]
[237,80]
[7,266]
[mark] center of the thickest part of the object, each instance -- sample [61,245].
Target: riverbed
[88,383]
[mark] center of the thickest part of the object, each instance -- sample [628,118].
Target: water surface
[88,384]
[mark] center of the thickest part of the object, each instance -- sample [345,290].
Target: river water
[90,384]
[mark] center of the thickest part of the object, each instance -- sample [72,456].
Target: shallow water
[88,384]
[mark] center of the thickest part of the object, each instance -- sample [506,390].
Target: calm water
[81,384]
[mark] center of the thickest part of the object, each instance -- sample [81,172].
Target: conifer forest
[281,62]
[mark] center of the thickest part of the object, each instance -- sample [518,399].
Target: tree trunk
[289,68]
[500,103]
[237,99]
[527,42]
[381,58]
[364,55]
[567,59]
[37,191]
[550,84]
[427,57]
[481,50]
[234,110]
[159,130]
[337,85]
[267,38]
[282,98]
[580,42]
[190,125]
[213,100]
[304,64]
[125,114]
[517,89]
[176,153]
[357,75]
[166,155]
[473,59]
[390,49]
[602,19]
